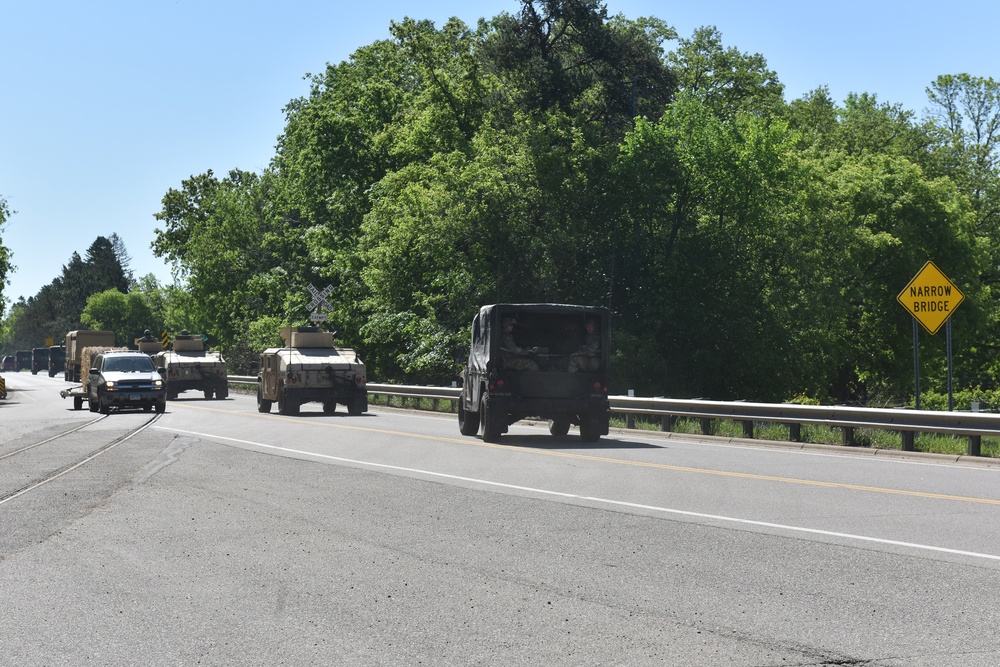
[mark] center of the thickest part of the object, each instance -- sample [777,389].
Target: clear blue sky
[105,105]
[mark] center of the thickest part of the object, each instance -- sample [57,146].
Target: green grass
[824,435]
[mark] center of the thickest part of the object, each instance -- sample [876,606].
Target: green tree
[128,315]
[5,255]
[234,253]
[726,80]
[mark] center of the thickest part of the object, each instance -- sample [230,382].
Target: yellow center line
[604,459]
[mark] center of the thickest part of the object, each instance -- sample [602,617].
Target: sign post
[931,298]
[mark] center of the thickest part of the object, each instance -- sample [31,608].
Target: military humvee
[547,361]
[310,368]
[190,366]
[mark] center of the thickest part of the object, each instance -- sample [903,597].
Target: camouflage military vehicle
[148,343]
[537,360]
[76,341]
[190,366]
[310,368]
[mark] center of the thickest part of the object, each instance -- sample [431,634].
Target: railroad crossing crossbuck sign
[930,297]
[319,301]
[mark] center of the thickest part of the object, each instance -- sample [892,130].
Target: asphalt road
[221,536]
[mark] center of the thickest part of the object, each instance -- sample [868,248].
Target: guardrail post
[706,426]
[907,440]
[795,432]
[975,445]
[849,436]
[630,420]
[747,429]
[667,423]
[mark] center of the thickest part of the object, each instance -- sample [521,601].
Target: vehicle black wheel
[559,427]
[78,402]
[491,430]
[222,392]
[589,428]
[102,407]
[262,405]
[359,405]
[148,407]
[161,406]
[329,407]
[209,393]
[93,403]
[468,422]
[287,405]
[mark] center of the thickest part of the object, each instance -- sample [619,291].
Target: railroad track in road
[40,473]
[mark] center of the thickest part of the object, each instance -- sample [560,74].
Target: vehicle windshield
[130,364]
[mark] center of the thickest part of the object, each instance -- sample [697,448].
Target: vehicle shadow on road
[572,441]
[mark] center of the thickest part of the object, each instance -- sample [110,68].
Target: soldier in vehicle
[587,358]
[514,357]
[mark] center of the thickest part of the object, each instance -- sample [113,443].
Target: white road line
[592,499]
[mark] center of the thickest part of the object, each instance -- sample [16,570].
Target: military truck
[311,368]
[537,360]
[76,341]
[190,366]
[57,359]
[39,359]
[23,358]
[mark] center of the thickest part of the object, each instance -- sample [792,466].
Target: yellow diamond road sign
[930,297]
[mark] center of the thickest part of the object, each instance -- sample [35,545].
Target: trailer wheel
[208,393]
[78,402]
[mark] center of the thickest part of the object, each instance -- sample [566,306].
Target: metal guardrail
[973,425]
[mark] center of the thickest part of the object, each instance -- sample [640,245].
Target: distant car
[125,380]
[9,363]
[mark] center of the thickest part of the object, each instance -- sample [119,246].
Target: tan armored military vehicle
[190,366]
[310,368]
[148,343]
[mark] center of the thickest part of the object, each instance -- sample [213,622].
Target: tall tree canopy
[748,247]
[58,306]
[5,255]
